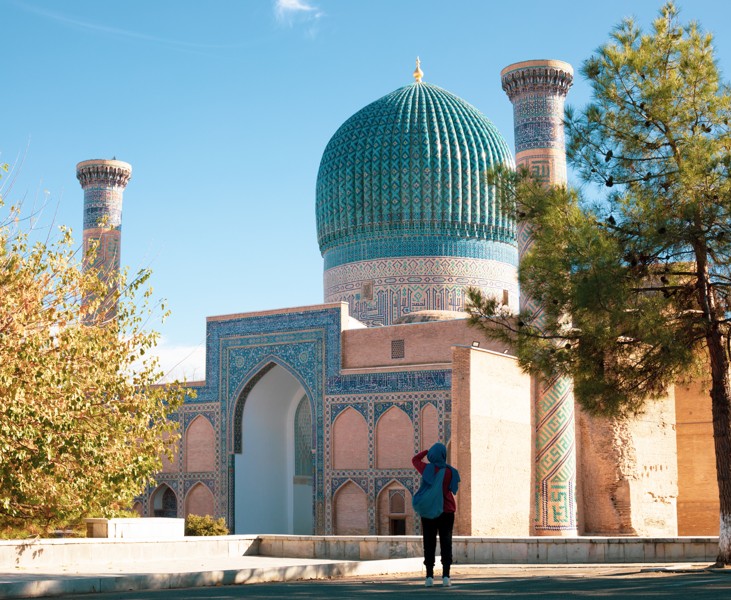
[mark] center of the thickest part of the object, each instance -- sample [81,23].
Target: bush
[206,525]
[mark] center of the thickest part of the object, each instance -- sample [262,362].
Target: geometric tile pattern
[412,162]
[535,126]
[181,481]
[404,245]
[555,457]
[400,286]
[406,218]
[537,91]
[371,480]
[103,182]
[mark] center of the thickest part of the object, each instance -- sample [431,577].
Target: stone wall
[75,553]
[628,473]
[502,550]
[491,443]
[654,485]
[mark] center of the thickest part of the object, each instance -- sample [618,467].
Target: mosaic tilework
[244,358]
[103,182]
[400,286]
[403,245]
[536,125]
[307,344]
[525,241]
[555,457]
[537,92]
[412,161]
[545,166]
[412,401]
[103,206]
[388,382]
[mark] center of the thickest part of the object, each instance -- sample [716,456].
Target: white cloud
[290,11]
[181,362]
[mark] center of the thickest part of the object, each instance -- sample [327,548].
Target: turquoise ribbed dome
[411,164]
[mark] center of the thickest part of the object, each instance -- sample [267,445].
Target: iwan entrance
[273,485]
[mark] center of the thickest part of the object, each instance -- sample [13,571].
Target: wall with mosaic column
[537,89]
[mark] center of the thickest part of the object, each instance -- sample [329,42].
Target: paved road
[608,583]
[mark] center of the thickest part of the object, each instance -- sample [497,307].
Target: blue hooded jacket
[428,502]
[437,457]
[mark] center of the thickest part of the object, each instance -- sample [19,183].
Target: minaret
[537,89]
[103,182]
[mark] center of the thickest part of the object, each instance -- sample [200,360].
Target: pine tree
[634,281]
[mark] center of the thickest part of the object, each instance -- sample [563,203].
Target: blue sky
[224,109]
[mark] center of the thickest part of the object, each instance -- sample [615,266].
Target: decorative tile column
[537,89]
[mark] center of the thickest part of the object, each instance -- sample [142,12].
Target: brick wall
[698,505]
[200,452]
[350,441]
[424,343]
[199,501]
[394,440]
[351,510]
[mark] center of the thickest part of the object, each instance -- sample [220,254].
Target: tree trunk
[721,408]
[720,400]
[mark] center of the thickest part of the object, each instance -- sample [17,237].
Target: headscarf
[437,457]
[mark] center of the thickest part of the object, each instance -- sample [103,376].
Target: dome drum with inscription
[405,216]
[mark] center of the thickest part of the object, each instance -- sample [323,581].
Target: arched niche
[350,506]
[394,440]
[394,513]
[429,426]
[350,441]
[304,468]
[200,446]
[199,501]
[170,464]
[164,502]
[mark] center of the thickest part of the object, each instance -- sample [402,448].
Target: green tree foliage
[205,525]
[81,419]
[634,286]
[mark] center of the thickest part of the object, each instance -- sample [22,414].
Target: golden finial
[418,73]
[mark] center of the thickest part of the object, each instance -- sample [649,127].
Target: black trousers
[443,524]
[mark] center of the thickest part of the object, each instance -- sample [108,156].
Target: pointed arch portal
[273,488]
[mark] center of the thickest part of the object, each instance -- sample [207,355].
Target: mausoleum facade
[309,416]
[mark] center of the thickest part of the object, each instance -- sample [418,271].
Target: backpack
[428,502]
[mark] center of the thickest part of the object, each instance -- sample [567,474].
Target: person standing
[440,510]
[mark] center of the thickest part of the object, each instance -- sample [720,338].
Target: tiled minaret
[103,182]
[537,89]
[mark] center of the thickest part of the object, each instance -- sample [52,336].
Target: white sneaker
[429,582]
[446,582]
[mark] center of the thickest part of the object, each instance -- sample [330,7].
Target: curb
[55,585]
[42,585]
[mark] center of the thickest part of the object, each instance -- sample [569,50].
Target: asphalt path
[607,583]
